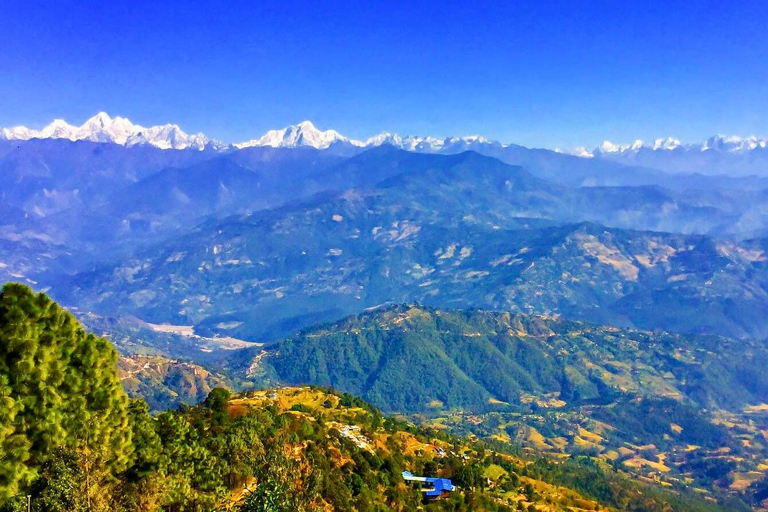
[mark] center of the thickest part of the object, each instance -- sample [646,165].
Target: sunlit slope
[416,358]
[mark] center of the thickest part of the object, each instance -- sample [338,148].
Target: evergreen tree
[59,389]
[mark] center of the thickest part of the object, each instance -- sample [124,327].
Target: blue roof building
[440,486]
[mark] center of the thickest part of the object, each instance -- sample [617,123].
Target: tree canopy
[58,390]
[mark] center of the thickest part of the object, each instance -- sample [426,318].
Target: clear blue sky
[537,73]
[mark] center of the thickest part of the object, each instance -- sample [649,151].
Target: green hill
[166,383]
[72,441]
[406,358]
[684,410]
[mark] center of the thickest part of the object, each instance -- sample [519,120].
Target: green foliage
[59,389]
[165,383]
[421,359]
[218,402]
[59,487]
[643,420]
[76,443]
[586,476]
[146,442]
[469,476]
[301,408]
[276,475]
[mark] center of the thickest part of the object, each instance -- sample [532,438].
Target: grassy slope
[672,408]
[512,480]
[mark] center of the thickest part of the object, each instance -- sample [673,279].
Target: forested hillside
[73,441]
[685,410]
[61,397]
[470,358]
[167,383]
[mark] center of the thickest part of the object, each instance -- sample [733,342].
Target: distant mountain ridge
[721,154]
[720,142]
[452,231]
[302,134]
[257,242]
[466,357]
[120,130]
[73,207]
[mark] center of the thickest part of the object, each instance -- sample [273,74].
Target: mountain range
[727,143]
[563,303]
[118,130]
[226,243]
[719,154]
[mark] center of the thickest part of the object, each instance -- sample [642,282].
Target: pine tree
[58,388]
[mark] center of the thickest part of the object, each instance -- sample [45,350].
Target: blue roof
[440,484]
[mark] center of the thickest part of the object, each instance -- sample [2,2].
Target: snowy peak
[721,143]
[59,129]
[429,144]
[409,142]
[306,134]
[384,138]
[667,144]
[118,130]
[609,147]
[101,121]
[579,151]
[297,135]
[102,128]
[170,136]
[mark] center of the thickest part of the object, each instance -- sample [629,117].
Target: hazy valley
[582,309]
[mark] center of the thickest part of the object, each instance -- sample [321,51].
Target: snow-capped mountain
[721,154]
[665,154]
[723,143]
[430,144]
[296,135]
[118,130]
[734,144]
[306,134]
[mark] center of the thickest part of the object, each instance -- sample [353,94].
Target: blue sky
[540,74]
